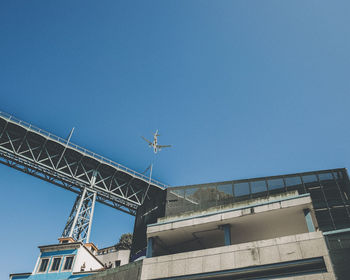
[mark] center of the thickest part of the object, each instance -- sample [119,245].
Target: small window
[117,263]
[56,264]
[68,263]
[43,265]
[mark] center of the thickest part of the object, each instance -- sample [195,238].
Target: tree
[125,242]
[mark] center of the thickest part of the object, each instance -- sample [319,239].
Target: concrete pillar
[309,222]
[227,232]
[149,250]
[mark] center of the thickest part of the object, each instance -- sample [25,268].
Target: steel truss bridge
[62,163]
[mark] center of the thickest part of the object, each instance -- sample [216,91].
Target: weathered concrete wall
[131,271]
[111,257]
[289,248]
[169,224]
[215,209]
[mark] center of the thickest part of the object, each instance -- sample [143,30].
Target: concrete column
[149,250]
[227,231]
[309,222]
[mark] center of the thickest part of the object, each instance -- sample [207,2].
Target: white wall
[83,256]
[122,255]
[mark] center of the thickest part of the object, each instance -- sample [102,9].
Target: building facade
[72,260]
[294,226]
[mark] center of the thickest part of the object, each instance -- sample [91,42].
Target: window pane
[68,263]
[178,193]
[175,199]
[292,181]
[241,189]
[345,189]
[43,265]
[258,186]
[317,197]
[310,178]
[55,264]
[225,192]
[340,217]
[332,194]
[275,184]
[338,175]
[209,196]
[192,197]
[325,176]
[324,220]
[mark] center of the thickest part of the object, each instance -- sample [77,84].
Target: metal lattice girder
[53,159]
[80,219]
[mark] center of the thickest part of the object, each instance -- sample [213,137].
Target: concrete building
[291,227]
[264,238]
[294,226]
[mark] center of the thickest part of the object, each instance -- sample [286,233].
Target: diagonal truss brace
[80,219]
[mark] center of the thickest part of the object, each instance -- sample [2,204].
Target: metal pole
[90,220]
[77,214]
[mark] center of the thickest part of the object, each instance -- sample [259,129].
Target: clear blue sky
[240,88]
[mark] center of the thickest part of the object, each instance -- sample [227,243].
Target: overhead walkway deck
[56,160]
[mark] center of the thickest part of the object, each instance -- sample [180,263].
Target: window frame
[52,263]
[47,265]
[64,263]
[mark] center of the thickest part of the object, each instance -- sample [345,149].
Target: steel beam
[62,163]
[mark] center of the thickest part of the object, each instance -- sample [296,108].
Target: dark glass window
[324,219]
[294,183]
[117,263]
[325,176]
[309,179]
[340,217]
[43,265]
[275,184]
[317,197]
[338,175]
[241,189]
[258,187]
[332,194]
[68,263]
[55,264]
[344,187]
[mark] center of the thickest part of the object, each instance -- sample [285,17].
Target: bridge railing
[80,149]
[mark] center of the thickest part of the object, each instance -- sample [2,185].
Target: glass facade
[339,251]
[329,190]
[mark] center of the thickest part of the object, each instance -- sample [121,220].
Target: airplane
[154,144]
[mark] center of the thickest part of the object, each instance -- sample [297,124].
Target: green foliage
[125,242]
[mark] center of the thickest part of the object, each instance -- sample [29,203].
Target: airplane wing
[163,146]
[149,142]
